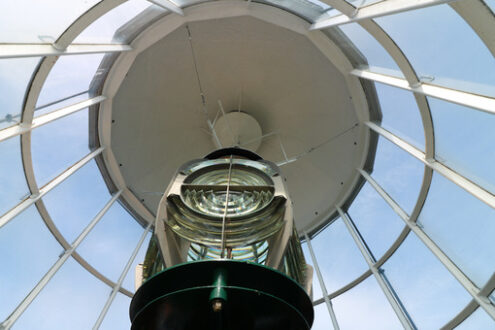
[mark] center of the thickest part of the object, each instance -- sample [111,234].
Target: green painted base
[221,295]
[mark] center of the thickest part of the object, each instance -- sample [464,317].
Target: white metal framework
[476,13]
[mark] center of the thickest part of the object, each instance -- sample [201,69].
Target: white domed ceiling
[277,76]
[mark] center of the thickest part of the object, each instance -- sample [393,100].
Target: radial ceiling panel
[277,76]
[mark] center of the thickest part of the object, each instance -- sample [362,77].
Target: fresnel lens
[225,253]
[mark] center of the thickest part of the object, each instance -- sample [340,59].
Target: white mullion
[43,191]
[322,284]
[392,298]
[472,289]
[7,324]
[483,103]
[22,128]
[117,286]
[379,9]
[34,50]
[169,5]
[471,187]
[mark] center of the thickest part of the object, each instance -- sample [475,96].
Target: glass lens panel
[76,201]
[72,300]
[400,174]
[12,180]
[129,281]
[338,256]
[462,226]
[15,74]
[104,29]
[28,250]
[34,21]
[118,314]
[58,145]
[317,293]
[378,224]
[369,47]
[70,75]
[464,141]
[322,319]
[401,114]
[375,311]
[451,53]
[478,320]
[110,244]
[427,290]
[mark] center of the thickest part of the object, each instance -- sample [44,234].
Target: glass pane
[464,141]
[118,314]
[362,3]
[449,49]
[308,9]
[129,281]
[401,114]
[76,201]
[15,75]
[317,293]
[12,180]
[462,226]
[28,250]
[429,293]
[110,244]
[378,224]
[338,256]
[34,21]
[399,173]
[58,145]
[491,4]
[375,311]
[72,300]
[322,319]
[478,320]
[104,29]
[49,107]
[70,75]
[369,47]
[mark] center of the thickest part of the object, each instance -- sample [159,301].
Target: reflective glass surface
[317,293]
[12,180]
[104,29]
[401,114]
[76,201]
[73,299]
[376,221]
[58,145]
[322,318]
[34,21]
[400,174]
[424,285]
[338,269]
[462,226]
[59,104]
[27,251]
[15,75]
[451,53]
[375,54]
[129,280]
[374,309]
[308,9]
[118,314]
[109,245]
[70,75]
[478,320]
[464,141]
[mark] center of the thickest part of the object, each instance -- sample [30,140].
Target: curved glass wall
[415,248]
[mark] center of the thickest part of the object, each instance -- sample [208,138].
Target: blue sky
[445,49]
